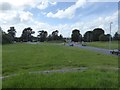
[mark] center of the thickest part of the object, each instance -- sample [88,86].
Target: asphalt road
[101,50]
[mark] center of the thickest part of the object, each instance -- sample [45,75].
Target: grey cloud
[5,6]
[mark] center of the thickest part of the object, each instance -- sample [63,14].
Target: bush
[6,38]
[104,37]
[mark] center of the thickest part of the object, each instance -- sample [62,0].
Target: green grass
[0,65]
[56,41]
[114,44]
[22,58]
[89,79]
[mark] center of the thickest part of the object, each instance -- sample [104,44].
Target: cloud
[14,14]
[66,29]
[104,22]
[44,4]
[7,16]
[101,22]
[25,16]
[14,11]
[18,3]
[69,12]
[23,4]
[53,3]
[14,17]
[103,0]
[5,6]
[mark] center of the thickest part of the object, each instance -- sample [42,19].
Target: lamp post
[110,36]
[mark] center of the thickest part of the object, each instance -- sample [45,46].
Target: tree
[49,38]
[5,38]
[17,39]
[42,35]
[96,33]
[27,34]
[12,32]
[104,37]
[55,35]
[88,36]
[1,35]
[116,36]
[76,36]
[0,29]
[60,37]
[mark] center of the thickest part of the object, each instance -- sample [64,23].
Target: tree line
[98,34]
[27,36]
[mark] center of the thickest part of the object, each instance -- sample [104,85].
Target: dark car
[71,44]
[116,51]
[83,44]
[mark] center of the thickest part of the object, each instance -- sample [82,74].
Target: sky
[61,15]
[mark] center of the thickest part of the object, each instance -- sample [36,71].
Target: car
[83,44]
[71,45]
[116,51]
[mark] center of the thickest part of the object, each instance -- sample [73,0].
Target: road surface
[101,50]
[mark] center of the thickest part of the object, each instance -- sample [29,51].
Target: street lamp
[110,36]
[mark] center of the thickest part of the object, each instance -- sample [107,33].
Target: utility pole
[110,36]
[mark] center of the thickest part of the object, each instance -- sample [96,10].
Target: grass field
[23,58]
[114,44]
